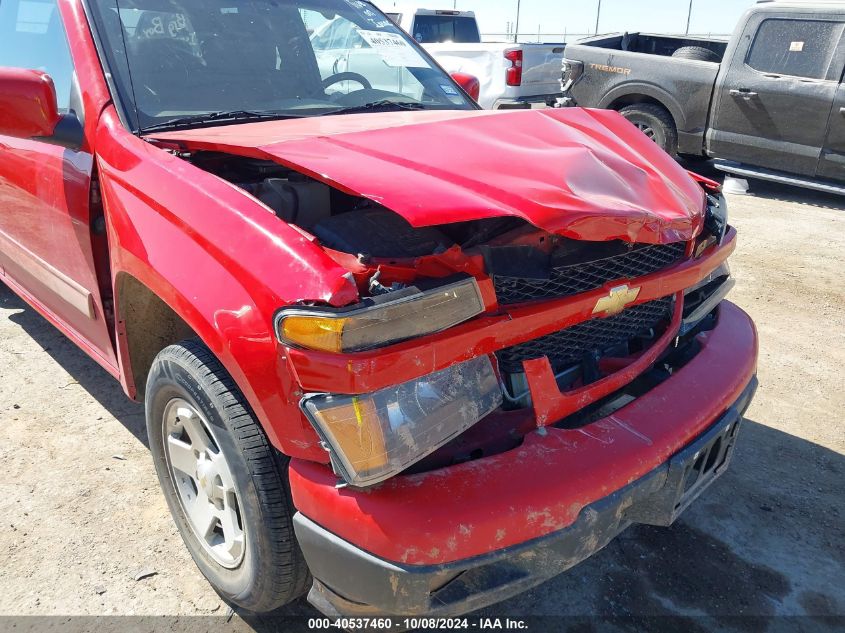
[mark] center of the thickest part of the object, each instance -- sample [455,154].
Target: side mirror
[469,83]
[28,109]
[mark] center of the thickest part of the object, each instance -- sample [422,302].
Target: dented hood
[584,174]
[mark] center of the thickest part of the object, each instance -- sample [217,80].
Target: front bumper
[457,539]
[351,582]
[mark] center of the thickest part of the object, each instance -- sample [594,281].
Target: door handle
[742,92]
[842,111]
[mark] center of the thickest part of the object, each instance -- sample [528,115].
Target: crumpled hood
[583,174]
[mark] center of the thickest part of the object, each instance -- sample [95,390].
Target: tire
[656,123]
[249,554]
[697,53]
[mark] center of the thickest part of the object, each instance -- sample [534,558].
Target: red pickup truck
[410,355]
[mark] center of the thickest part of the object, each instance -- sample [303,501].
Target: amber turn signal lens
[388,319]
[313,332]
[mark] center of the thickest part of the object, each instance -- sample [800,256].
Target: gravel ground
[84,517]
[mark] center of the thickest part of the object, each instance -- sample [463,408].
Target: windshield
[176,61]
[439,29]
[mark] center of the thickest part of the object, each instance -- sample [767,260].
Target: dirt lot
[83,515]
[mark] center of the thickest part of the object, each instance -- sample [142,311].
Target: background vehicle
[511,75]
[768,104]
[345,320]
[340,48]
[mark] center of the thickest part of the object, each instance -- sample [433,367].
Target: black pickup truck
[769,103]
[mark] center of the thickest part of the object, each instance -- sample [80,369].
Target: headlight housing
[388,319]
[716,220]
[715,224]
[376,436]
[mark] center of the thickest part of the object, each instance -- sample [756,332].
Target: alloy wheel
[204,483]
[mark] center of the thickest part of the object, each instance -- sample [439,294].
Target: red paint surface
[584,174]
[222,262]
[707,183]
[27,103]
[542,486]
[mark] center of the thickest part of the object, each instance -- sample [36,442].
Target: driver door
[46,252]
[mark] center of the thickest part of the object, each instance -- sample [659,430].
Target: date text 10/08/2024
[441,624]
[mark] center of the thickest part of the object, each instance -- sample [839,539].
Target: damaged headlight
[389,319]
[376,436]
[715,224]
[716,220]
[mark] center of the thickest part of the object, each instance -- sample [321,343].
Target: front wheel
[225,485]
[656,123]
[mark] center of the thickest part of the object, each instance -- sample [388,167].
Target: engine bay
[344,223]
[375,235]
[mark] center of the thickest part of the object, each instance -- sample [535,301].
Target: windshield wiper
[385,105]
[224,116]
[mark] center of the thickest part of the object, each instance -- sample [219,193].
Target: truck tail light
[469,83]
[514,73]
[572,71]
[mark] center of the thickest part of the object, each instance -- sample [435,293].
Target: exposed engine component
[377,232]
[292,196]
[296,199]
[377,288]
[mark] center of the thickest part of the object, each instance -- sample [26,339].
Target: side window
[798,48]
[32,36]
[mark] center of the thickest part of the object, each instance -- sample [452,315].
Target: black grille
[569,346]
[574,279]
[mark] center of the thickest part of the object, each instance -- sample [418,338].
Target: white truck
[511,75]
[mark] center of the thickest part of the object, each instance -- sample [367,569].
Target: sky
[579,16]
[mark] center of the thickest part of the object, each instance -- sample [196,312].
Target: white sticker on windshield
[449,90]
[394,49]
[796,47]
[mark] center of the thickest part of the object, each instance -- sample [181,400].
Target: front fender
[223,263]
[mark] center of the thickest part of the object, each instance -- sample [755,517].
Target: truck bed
[628,68]
[653,44]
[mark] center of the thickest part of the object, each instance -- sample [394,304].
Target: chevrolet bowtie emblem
[618,299]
